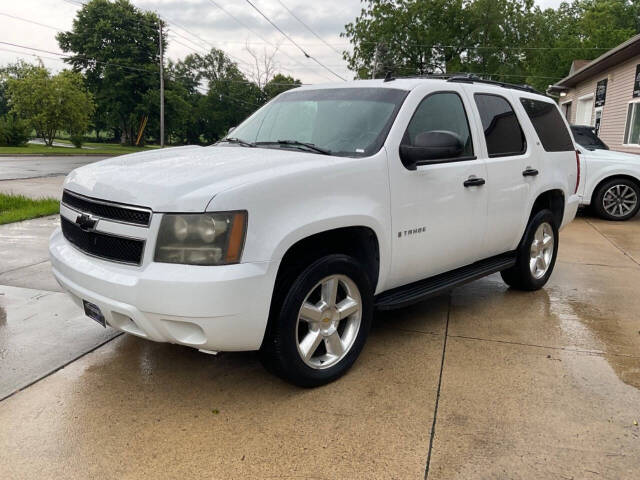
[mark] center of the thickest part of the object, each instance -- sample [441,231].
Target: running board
[438,284]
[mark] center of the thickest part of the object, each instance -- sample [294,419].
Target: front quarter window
[342,121]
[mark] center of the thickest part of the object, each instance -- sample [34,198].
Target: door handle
[530,172]
[474,182]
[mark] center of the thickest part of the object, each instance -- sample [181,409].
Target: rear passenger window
[501,127]
[548,124]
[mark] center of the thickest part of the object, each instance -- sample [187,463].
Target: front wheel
[536,255]
[322,324]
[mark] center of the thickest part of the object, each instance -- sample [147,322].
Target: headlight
[201,238]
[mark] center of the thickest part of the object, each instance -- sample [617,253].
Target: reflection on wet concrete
[134,409]
[39,332]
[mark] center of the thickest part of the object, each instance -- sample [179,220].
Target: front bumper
[221,308]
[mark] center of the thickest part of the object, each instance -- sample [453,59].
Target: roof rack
[471,78]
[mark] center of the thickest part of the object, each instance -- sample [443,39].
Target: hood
[184,179]
[610,155]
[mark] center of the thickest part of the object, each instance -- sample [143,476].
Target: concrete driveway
[482,383]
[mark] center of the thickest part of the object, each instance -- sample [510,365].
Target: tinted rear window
[501,127]
[549,125]
[588,139]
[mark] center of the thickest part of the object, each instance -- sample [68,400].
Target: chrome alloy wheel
[328,321]
[619,200]
[541,250]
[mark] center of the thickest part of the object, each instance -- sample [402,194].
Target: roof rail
[472,78]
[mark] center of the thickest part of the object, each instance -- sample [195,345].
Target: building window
[632,129]
[566,111]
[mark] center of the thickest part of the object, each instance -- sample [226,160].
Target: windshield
[340,121]
[587,139]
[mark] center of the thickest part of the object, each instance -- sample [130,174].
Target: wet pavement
[483,383]
[41,329]
[24,167]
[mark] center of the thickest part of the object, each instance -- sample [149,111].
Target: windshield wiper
[238,141]
[297,144]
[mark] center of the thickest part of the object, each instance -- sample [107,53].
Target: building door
[585,110]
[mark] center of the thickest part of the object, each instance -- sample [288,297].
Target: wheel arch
[360,241]
[553,200]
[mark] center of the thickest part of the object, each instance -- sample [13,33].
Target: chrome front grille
[108,210]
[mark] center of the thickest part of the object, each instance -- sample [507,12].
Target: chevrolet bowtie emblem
[86,222]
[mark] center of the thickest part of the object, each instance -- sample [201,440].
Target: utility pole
[161,85]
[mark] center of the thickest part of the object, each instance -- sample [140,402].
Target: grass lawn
[14,208]
[97,148]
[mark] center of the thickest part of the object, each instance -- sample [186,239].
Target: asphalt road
[12,168]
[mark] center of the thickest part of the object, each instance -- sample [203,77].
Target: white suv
[328,202]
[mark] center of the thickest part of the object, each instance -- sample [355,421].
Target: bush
[13,131]
[77,140]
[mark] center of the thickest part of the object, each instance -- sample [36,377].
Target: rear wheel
[322,324]
[536,255]
[617,199]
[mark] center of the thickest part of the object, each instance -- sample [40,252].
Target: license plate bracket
[92,311]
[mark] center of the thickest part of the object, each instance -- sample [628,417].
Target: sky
[198,25]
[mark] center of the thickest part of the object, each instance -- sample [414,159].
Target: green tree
[230,97]
[583,29]
[13,70]
[406,37]
[14,132]
[507,40]
[116,46]
[278,84]
[51,103]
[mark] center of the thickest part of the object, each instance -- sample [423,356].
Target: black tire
[599,199]
[279,352]
[520,276]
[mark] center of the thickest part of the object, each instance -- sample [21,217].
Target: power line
[248,28]
[30,21]
[308,27]
[293,42]
[62,55]
[485,47]
[407,69]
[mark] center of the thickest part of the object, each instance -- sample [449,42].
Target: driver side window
[441,112]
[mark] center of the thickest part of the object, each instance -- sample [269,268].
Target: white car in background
[611,180]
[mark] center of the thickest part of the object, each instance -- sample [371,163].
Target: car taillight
[577,171]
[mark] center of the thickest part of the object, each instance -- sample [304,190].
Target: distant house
[605,93]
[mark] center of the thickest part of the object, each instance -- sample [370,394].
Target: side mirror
[430,146]
[231,129]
